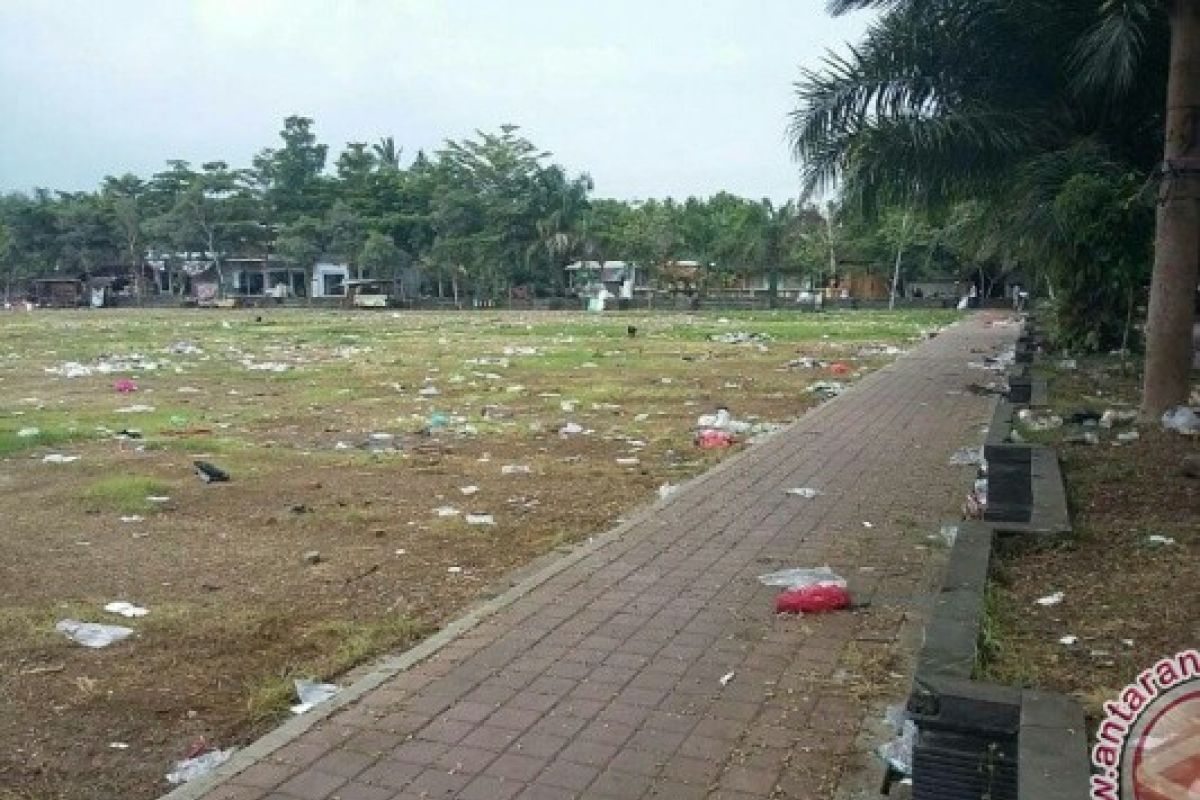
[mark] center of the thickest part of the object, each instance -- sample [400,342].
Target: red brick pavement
[604,681]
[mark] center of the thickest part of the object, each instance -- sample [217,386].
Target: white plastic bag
[310,693]
[92,634]
[1182,419]
[801,577]
[192,768]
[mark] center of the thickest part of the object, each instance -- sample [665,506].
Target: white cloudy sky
[651,97]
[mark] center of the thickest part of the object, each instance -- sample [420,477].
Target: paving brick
[604,680]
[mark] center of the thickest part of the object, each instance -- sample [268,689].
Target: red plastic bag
[709,439]
[812,599]
[838,368]
[125,385]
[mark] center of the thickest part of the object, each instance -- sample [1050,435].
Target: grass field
[357,436]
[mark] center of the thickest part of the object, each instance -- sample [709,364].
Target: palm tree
[1107,60]
[948,100]
[387,154]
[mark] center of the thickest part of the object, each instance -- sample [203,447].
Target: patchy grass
[236,613]
[124,493]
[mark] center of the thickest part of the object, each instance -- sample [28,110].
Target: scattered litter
[128,610]
[515,469]
[1158,540]
[429,391]
[118,745]
[1128,436]
[1182,419]
[827,389]
[570,429]
[741,337]
[1083,437]
[805,362]
[210,473]
[802,577]
[868,524]
[726,678]
[967,457]
[447,511]
[666,490]
[125,385]
[1050,599]
[712,439]
[948,535]
[58,458]
[812,599]
[1112,417]
[977,499]
[480,519]
[628,462]
[641,417]
[312,557]
[26,433]
[134,409]
[454,570]
[1035,422]
[806,492]
[192,768]
[1068,364]
[133,518]
[311,693]
[266,366]
[92,634]
[469,490]
[898,752]
[839,368]
[1068,640]
[157,498]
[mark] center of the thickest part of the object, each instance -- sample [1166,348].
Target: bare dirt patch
[1129,598]
[344,434]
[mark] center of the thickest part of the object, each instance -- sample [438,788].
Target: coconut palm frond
[1106,59]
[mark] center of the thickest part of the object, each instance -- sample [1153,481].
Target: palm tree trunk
[1177,238]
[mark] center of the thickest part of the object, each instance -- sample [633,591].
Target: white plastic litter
[1128,436]
[454,570]
[480,519]
[58,458]
[808,493]
[1182,419]
[1050,599]
[570,429]
[515,469]
[1112,417]
[802,577]
[447,511]
[469,490]
[125,609]
[967,457]
[25,433]
[898,752]
[666,490]
[948,535]
[133,518]
[192,768]
[628,462]
[429,391]
[311,693]
[92,634]
[137,408]
[1068,640]
[1158,540]
[726,678]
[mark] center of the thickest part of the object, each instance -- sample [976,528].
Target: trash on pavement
[807,492]
[898,752]
[210,473]
[311,693]
[190,769]
[800,577]
[812,599]
[92,634]
[967,456]
[480,519]
[726,678]
[666,490]
[126,609]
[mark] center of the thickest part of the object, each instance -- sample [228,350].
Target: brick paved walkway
[604,680]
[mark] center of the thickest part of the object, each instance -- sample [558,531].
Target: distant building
[618,278]
[329,279]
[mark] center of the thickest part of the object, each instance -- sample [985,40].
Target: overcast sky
[651,97]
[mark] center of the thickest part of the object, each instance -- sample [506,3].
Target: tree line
[479,217]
